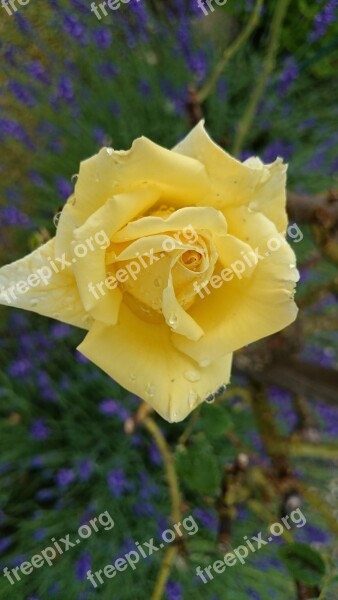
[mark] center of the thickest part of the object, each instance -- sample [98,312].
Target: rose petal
[233,182]
[141,357]
[91,270]
[243,311]
[58,299]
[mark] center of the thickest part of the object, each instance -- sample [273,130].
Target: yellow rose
[170,223]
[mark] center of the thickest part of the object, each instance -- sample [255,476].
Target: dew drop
[150,390]
[292,266]
[172,321]
[205,362]
[74,177]
[109,151]
[221,389]
[33,302]
[192,375]
[192,399]
[210,398]
[56,218]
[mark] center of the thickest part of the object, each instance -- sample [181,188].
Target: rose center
[191,259]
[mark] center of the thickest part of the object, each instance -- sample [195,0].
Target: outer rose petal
[179,179]
[59,299]
[92,268]
[260,186]
[141,357]
[270,196]
[241,312]
[233,182]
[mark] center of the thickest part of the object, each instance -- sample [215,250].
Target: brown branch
[320,209]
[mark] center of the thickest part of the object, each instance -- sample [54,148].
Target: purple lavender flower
[323,20]
[155,455]
[12,216]
[117,482]
[65,477]
[22,93]
[85,469]
[65,89]
[36,70]
[174,590]
[39,534]
[103,37]
[276,149]
[39,430]
[110,407]
[208,518]
[82,565]
[5,543]
[20,368]
[64,187]
[288,76]
[60,330]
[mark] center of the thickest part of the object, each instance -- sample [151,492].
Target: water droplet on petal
[292,266]
[172,321]
[205,362]
[192,399]
[74,177]
[150,390]
[210,398]
[109,151]
[33,302]
[221,389]
[192,375]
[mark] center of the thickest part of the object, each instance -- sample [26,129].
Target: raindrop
[210,398]
[33,302]
[192,399]
[56,218]
[221,389]
[205,362]
[74,177]
[109,151]
[192,375]
[292,266]
[150,390]
[172,321]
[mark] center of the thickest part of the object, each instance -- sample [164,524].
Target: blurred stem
[268,66]
[319,451]
[175,494]
[171,475]
[164,573]
[324,509]
[229,52]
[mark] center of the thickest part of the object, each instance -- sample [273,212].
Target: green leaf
[303,562]
[198,467]
[216,420]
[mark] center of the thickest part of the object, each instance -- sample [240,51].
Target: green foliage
[304,563]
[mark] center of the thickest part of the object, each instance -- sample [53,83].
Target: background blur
[71,83]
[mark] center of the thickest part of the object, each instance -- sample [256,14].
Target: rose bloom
[173,221]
